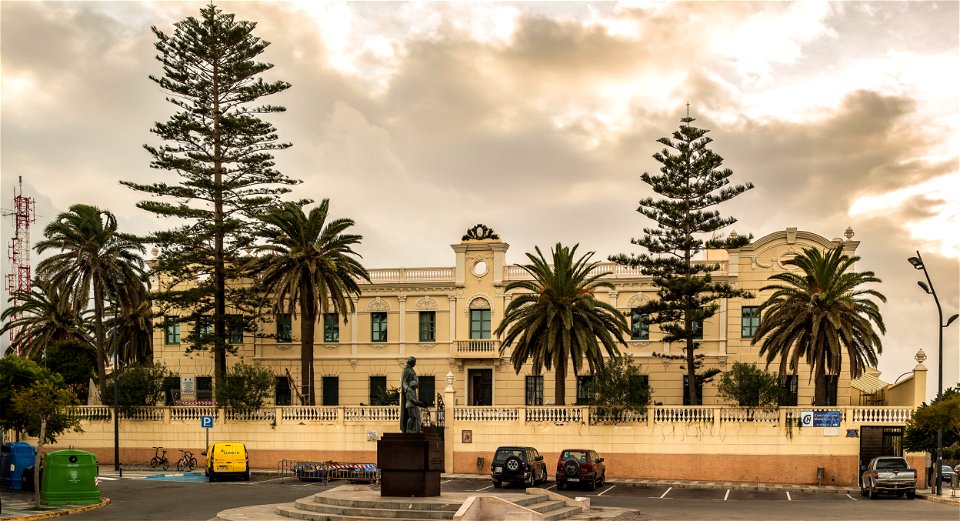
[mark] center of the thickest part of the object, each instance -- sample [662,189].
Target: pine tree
[219,154]
[689,184]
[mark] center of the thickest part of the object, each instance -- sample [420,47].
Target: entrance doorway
[480,386]
[879,441]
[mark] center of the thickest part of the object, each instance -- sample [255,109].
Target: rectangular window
[831,389]
[479,324]
[534,394]
[331,327]
[331,391]
[204,388]
[428,390]
[378,389]
[583,397]
[789,386]
[171,328]
[171,389]
[696,326]
[428,326]
[284,328]
[283,395]
[378,327]
[686,388]
[639,326]
[204,326]
[235,329]
[749,320]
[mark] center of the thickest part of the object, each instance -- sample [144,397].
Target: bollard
[954,485]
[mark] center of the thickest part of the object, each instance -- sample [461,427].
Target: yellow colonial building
[445,316]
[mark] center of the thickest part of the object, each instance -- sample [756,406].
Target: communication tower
[18,280]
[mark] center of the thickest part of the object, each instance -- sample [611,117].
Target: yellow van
[227,459]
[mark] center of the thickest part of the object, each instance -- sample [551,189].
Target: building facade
[446,316]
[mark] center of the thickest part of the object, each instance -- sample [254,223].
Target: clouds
[421,119]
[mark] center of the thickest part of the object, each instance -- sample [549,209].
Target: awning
[868,384]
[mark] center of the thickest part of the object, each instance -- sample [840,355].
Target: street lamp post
[116,367]
[927,287]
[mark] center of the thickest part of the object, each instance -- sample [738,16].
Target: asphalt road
[154,500]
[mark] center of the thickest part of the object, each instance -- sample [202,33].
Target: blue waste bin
[14,457]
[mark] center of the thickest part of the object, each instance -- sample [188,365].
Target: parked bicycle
[159,460]
[187,461]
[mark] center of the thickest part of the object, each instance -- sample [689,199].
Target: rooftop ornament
[480,232]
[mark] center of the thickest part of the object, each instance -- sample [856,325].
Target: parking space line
[667,492]
[482,489]
[551,486]
[788,497]
[605,491]
[447,481]
[851,497]
[725,496]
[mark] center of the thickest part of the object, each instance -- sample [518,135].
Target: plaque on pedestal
[410,464]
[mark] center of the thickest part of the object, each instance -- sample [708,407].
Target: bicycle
[159,460]
[186,461]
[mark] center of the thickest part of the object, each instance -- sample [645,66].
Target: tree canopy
[691,182]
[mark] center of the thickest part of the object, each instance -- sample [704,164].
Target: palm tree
[309,266]
[94,260]
[818,313]
[44,316]
[557,318]
[134,324]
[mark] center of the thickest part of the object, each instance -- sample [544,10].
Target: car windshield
[503,454]
[891,464]
[574,454]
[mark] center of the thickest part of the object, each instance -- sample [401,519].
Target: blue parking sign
[206,422]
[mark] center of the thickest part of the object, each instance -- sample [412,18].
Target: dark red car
[580,467]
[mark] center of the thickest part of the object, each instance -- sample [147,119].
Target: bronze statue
[413,407]
[406,377]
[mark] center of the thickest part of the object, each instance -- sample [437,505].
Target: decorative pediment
[427,304]
[378,304]
[637,300]
[480,303]
[480,232]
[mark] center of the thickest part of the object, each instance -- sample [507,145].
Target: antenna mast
[18,280]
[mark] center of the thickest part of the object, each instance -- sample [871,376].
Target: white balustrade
[252,414]
[749,414]
[324,414]
[554,414]
[91,412]
[486,414]
[397,275]
[881,414]
[620,416]
[478,346]
[683,414]
[143,414]
[390,413]
[192,412]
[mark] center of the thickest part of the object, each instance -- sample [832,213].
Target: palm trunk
[560,391]
[308,315]
[820,390]
[36,463]
[100,340]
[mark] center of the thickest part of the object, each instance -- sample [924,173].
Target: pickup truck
[888,474]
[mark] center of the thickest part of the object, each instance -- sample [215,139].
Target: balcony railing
[668,414]
[487,348]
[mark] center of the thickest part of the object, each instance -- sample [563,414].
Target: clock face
[480,268]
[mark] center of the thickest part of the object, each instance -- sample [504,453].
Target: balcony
[487,348]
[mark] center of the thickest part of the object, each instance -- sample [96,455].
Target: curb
[64,512]
[945,500]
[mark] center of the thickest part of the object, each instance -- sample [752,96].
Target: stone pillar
[403,324]
[919,379]
[453,324]
[452,429]
[353,328]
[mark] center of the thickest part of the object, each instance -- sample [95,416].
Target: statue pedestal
[410,464]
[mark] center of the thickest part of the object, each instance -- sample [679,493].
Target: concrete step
[394,511]
[388,503]
[292,512]
[544,506]
[564,512]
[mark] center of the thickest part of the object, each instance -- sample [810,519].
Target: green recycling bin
[70,477]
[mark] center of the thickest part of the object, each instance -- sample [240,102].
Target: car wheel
[592,485]
[246,475]
[603,478]
[911,494]
[497,483]
[561,485]
[532,481]
[863,492]
[900,494]
[543,477]
[872,492]
[212,476]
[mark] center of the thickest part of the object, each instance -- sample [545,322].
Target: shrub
[246,387]
[750,386]
[139,385]
[619,390]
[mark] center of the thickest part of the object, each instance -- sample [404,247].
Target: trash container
[14,457]
[69,476]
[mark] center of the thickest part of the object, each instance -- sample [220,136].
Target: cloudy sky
[419,120]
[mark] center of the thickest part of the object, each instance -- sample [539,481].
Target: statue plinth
[410,463]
